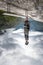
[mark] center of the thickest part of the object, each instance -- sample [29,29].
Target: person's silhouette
[26,30]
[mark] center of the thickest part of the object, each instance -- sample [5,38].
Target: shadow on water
[35,25]
[20,26]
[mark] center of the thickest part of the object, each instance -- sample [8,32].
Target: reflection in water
[13,50]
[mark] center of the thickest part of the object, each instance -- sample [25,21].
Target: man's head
[26,17]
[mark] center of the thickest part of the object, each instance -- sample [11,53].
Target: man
[26,30]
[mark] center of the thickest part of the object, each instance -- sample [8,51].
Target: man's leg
[26,38]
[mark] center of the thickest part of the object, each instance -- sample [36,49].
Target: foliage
[8,21]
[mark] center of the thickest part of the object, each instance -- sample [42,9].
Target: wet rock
[2,32]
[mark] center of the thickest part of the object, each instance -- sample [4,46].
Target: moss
[1,12]
[8,21]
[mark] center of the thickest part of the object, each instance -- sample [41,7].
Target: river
[13,50]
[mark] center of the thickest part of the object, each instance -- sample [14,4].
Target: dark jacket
[26,25]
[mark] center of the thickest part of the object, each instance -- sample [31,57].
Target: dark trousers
[26,36]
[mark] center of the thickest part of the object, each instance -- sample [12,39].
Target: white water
[13,50]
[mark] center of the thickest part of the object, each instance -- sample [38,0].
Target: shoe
[26,43]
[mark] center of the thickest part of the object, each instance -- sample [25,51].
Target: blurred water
[13,50]
[34,25]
